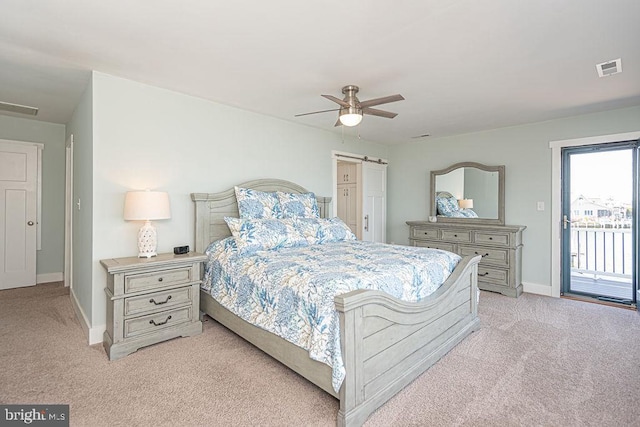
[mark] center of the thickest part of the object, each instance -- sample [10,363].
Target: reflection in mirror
[468,192]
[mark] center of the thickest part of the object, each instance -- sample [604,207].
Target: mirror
[469,193]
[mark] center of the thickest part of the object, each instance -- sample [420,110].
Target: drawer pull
[159,279]
[483,274]
[153,322]
[161,302]
[487,254]
[490,238]
[455,235]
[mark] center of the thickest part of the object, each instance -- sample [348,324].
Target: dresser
[500,269]
[150,300]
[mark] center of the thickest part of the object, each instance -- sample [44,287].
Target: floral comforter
[290,291]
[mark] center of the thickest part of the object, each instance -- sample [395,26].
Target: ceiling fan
[351,108]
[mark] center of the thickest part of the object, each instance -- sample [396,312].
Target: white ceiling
[463,66]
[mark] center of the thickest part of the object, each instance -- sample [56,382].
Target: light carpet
[536,361]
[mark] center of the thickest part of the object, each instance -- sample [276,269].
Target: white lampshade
[351,116]
[465,203]
[146,206]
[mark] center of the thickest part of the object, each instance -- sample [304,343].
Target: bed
[447,205]
[385,342]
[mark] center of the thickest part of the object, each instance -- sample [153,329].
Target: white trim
[536,288]
[556,195]
[49,277]
[96,334]
[68,213]
[93,334]
[84,322]
[39,202]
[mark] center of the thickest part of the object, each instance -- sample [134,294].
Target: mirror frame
[499,169]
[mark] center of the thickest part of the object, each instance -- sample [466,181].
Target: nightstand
[150,300]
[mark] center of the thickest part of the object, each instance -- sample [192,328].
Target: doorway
[360,192]
[598,224]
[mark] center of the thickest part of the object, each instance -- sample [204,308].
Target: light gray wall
[146,137]
[524,150]
[81,126]
[482,187]
[50,259]
[452,182]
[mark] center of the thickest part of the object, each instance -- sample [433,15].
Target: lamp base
[147,241]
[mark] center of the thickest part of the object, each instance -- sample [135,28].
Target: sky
[603,175]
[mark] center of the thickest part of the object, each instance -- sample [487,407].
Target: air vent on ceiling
[609,68]
[16,108]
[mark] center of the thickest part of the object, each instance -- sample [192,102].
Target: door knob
[30,223]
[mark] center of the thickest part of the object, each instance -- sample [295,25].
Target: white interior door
[374,202]
[18,214]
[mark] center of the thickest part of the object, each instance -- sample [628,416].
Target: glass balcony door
[599,233]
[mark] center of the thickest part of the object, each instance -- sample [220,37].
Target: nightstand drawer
[157,301]
[141,282]
[154,322]
[492,256]
[434,245]
[424,233]
[456,236]
[493,275]
[492,238]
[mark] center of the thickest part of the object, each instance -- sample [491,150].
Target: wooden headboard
[211,208]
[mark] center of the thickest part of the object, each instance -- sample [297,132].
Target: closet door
[374,202]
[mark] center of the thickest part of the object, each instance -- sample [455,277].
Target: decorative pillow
[298,205]
[253,235]
[324,230]
[447,206]
[257,204]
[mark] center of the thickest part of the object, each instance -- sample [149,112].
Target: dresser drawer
[489,255]
[493,275]
[154,322]
[492,238]
[141,282]
[424,233]
[157,301]
[456,236]
[434,245]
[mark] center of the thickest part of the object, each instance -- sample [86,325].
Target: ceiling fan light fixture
[351,116]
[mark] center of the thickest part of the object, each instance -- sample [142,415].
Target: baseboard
[93,334]
[536,288]
[49,277]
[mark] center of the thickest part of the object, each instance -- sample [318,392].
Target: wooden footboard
[387,343]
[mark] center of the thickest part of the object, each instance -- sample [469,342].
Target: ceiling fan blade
[380,113]
[316,112]
[383,100]
[337,100]
[338,123]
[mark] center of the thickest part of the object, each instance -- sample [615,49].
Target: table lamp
[465,203]
[147,206]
